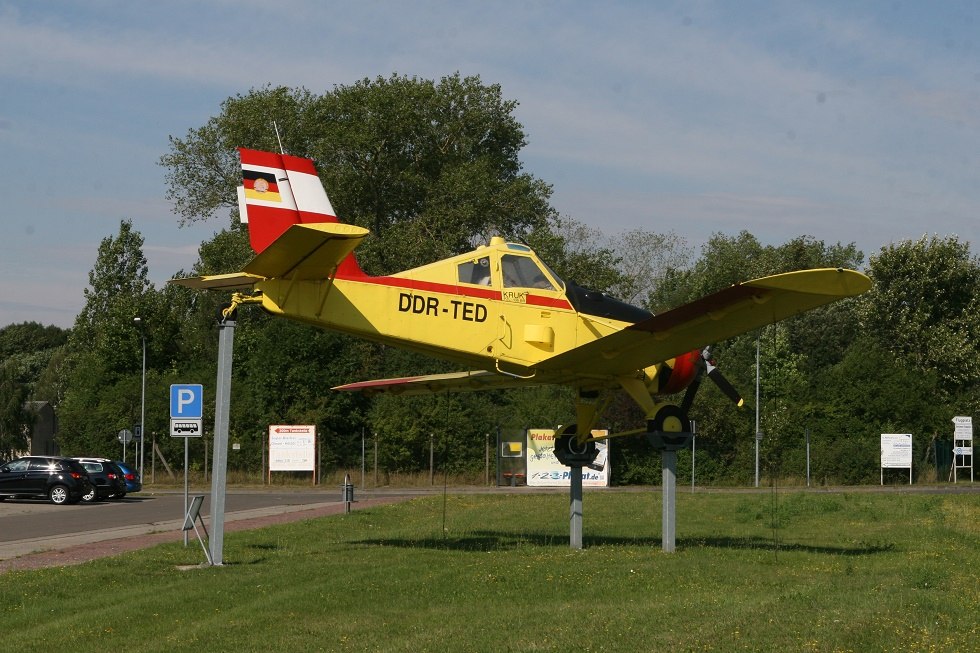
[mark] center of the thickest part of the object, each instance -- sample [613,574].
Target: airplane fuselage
[443,310]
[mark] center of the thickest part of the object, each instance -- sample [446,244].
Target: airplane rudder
[266,201]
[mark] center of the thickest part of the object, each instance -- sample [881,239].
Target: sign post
[962,446]
[186,415]
[124,436]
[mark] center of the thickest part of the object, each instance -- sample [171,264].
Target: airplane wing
[727,313]
[304,251]
[433,383]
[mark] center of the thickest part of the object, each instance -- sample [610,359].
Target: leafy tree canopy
[429,167]
[924,307]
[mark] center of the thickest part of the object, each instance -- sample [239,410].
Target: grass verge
[753,572]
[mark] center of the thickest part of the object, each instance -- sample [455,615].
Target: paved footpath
[77,548]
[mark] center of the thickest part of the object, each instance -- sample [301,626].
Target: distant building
[41,436]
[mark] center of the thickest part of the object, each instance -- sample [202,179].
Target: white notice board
[292,448]
[896,453]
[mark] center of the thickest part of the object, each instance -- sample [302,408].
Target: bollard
[347,493]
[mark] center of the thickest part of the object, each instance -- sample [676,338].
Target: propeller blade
[692,390]
[724,385]
[707,365]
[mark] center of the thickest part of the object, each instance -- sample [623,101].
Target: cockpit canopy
[520,268]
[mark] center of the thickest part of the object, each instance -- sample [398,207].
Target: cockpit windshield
[523,272]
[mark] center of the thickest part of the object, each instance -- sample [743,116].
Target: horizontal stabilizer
[307,251]
[234,281]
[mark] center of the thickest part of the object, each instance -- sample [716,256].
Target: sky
[847,122]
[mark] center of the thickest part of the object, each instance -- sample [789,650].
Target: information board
[292,448]
[962,446]
[896,453]
[896,450]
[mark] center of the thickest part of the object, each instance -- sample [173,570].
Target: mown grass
[753,572]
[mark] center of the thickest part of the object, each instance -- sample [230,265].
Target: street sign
[186,410]
[963,428]
[186,401]
[125,436]
[186,428]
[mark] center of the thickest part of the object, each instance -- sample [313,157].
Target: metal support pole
[143,405]
[669,500]
[758,435]
[187,462]
[808,457]
[222,399]
[694,446]
[575,508]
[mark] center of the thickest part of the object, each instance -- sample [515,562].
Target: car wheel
[90,496]
[117,496]
[58,494]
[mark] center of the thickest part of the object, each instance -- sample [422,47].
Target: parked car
[107,479]
[60,480]
[134,483]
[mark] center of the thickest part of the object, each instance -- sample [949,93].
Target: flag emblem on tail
[261,185]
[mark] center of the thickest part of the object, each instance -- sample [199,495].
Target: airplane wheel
[572,453]
[669,419]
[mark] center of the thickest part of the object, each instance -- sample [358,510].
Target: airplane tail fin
[278,191]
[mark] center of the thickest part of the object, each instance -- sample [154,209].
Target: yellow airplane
[499,311]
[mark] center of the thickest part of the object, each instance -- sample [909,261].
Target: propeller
[707,366]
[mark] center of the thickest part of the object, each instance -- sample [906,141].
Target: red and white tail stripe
[278,191]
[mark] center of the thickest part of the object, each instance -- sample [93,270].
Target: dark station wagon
[59,480]
[108,481]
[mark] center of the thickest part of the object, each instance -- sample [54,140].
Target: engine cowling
[674,375]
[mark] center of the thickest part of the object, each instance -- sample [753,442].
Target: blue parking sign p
[186,401]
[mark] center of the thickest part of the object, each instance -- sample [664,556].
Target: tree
[924,308]
[428,167]
[104,350]
[14,419]
[577,253]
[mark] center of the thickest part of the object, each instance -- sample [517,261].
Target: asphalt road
[27,526]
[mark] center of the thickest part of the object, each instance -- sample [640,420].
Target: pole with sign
[186,416]
[962,446]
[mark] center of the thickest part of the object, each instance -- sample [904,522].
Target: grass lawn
[859,571]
